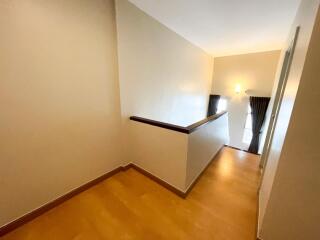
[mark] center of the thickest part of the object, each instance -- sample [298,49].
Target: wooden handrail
[189,129]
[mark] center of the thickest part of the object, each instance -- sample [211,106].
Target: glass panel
[247,136]
[248,121]
[222,105]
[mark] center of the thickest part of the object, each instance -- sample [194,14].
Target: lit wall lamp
[238,88]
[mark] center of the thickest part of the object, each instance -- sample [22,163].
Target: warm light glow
[238,88]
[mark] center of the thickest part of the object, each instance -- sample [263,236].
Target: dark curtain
[259,107]
[213,105]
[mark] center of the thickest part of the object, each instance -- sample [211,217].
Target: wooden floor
[221,206]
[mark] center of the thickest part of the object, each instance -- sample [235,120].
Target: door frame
[287,62]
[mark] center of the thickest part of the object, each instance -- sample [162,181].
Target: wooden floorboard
[221,206]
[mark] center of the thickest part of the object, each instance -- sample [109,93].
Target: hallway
[221,206]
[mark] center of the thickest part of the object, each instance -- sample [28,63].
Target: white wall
[59,99]
[203,145]
[160,151]
[289,193]
[174,157]
[162,76]
[254,72]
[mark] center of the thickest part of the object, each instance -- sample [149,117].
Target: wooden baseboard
[41,210]
[167,185]
[257,217]
[127,167]
[241,150]
[199,176]
[158,180]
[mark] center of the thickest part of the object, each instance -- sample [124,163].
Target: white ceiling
[226,27]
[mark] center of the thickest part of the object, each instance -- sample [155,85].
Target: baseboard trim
[157,180]
[257,216]
[241,150]
[41,210]
[48,206]
[127,167]
[167,185]
[202,172]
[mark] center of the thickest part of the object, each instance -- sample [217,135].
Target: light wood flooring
[221,206]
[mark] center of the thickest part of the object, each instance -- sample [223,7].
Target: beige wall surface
[174,157]
[162,76]
[254,72]
[59,99]
[160,151]
[289,193]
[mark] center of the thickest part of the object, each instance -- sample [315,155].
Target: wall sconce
[237,88]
